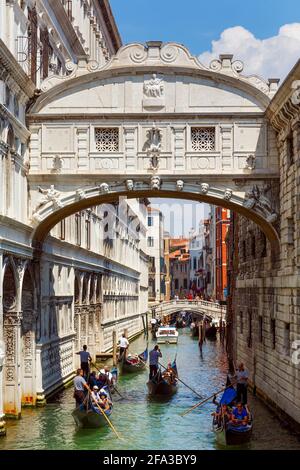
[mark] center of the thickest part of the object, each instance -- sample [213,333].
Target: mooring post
[114,347]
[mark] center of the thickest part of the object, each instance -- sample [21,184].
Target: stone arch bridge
[211,310]
[153,122]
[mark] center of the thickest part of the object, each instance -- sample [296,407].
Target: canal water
[148,424]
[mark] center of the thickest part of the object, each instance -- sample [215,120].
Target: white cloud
[269,58]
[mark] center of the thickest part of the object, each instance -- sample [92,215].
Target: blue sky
[195,23]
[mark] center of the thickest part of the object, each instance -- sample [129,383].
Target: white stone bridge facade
[201,308]
[152,122]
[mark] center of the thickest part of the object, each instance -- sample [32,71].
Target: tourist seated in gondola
[169,374]
[106,376]
[95,395]
[222,414]
[133,359]
[92,379]
[240,415]
[101,380]
[105,402]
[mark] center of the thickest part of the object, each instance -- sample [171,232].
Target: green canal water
[144,423]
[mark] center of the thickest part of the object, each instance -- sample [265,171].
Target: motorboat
[167,334]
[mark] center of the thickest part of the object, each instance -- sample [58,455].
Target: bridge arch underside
[193,310]
[51,216]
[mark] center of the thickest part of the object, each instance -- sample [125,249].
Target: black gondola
[89,416]
[134,363]
[160,386]
[226,432]
[211,333]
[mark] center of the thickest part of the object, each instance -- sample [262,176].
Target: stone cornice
[69,32]
[169,58]
[110,24]
[22,131]
[9,63]
[285,106]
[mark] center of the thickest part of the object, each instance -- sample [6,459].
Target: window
[194,263]
[150,221]
[286,339]
[249,340]
[150,241]
[7,96]
[78,229]
[290,150]
[107,139]
[44,37]
[203,139]
[32,46]
[88,233]
[185,283]
[176,284]
[273,332]
[260,328]
[244,250]
[291,230]
[16,106]
[62,229]
[253,246]
[263,245]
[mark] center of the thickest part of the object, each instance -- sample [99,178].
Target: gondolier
[79,387]
[154,355]
[124,343]
[242,384]
[85,359]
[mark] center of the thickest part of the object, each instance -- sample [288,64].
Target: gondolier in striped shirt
[154,355]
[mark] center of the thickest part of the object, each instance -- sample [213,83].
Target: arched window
[76,290]
[9,290]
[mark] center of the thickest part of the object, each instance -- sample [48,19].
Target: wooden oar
[104,414]
[206,399]
[115,388]
[194,391]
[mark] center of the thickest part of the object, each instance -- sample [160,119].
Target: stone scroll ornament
[258,200]
[50,195]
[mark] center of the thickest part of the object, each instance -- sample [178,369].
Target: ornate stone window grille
[203,139]
[107,139]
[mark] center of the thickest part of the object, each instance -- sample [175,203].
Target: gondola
[158,386]
[88,415]
[211,333]
[195,331]
[228,433]
[134,363]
